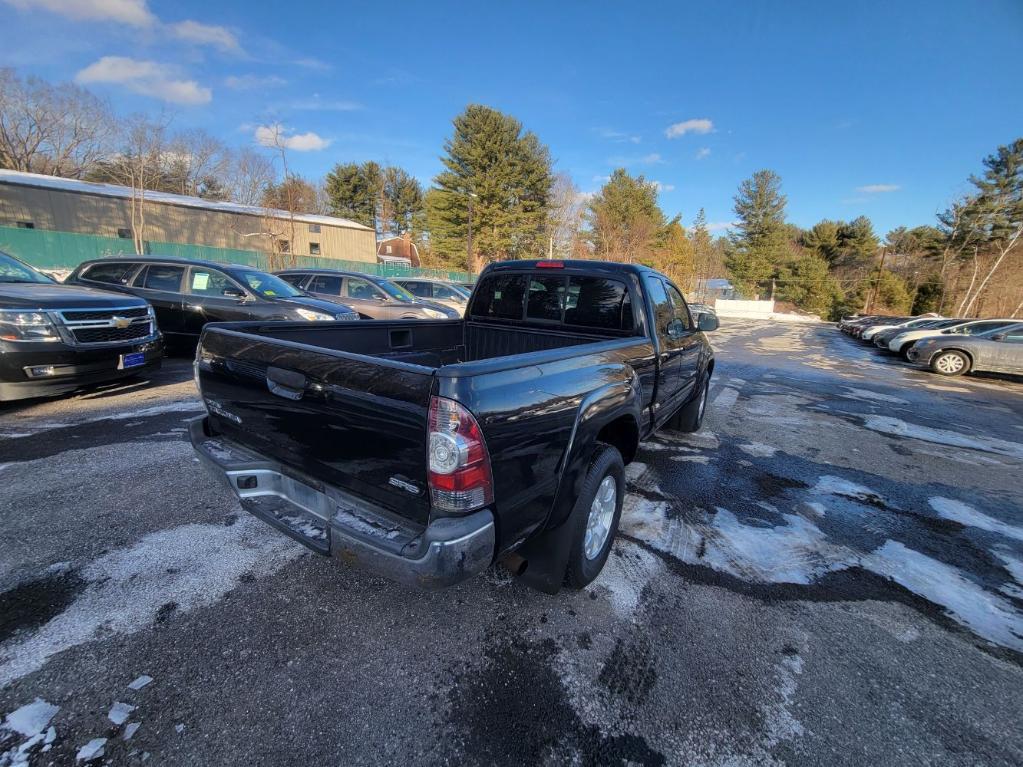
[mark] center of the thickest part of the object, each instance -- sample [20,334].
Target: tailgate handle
[289,384]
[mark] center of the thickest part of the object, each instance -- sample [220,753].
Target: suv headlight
[18,325]
[311,316]
[436,314]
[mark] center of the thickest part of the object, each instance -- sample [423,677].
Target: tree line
[499,196]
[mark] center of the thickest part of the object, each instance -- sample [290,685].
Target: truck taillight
[459,465]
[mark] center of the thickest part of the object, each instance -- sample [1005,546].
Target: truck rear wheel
[595,516]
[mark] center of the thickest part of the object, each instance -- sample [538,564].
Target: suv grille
[110,335]
[105,314]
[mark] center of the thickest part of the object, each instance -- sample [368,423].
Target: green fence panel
[65,250]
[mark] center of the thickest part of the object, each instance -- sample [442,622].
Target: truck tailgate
[355,422]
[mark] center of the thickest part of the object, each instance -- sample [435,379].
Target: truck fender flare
[547,551]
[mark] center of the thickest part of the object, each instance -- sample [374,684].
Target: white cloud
[877,188]
[145,77]
[700,125]
[206,34]
[134,13]
[648,159]
[253,82]
[663,187]
[274,135]
[618,136]
[702,152]
[718,226]
[651,159]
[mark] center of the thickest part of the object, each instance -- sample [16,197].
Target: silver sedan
[998,351]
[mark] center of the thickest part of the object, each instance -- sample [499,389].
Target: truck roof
[609,267]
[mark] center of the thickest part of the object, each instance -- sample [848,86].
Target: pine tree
[504,173]
[352,193]
[624,218]
[759,243]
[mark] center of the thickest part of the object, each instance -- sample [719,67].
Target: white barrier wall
[754,310]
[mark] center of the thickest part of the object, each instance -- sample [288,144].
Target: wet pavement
[830,572]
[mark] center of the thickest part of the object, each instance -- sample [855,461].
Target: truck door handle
[289,384]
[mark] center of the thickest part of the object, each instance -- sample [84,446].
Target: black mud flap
[547,558]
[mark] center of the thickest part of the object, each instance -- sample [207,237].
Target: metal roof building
[34,201]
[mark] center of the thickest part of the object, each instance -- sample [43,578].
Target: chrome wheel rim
[949,363]
[602,512]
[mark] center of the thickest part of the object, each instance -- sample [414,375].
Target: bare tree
[564,216]
[60,130]
[140,165]
[198,164]
[248,176]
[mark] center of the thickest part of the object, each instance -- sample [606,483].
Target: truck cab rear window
[587,302]
[595,302]
[500,297]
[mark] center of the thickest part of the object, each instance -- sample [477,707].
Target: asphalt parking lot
[831,572]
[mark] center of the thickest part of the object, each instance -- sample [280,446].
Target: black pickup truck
[425,450]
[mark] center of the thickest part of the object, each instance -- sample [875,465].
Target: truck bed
[427,344]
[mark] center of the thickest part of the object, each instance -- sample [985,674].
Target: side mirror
[233,293]
[998,337]
[707,322]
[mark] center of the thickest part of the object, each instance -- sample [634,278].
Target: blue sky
[874,108]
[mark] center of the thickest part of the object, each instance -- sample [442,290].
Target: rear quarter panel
[527,415]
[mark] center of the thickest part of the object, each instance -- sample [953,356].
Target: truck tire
[689,418]
[595,516]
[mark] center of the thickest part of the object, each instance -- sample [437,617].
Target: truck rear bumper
[332,523]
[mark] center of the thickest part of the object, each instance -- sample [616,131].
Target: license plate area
[132,360]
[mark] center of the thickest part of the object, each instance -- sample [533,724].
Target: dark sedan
[187,294]
[57,338]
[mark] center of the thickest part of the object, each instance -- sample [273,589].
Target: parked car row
[111,317]
[946,345]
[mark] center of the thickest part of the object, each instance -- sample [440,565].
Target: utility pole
[877,282]
[468,243]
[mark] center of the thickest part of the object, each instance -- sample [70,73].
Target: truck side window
[680,308]
[546,296]
[596,302]
[500,296]
[663,313]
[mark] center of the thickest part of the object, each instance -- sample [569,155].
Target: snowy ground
[830,573]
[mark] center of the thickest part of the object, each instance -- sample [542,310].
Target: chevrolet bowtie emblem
[121,322]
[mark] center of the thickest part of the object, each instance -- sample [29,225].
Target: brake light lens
[459,465]
[550,264]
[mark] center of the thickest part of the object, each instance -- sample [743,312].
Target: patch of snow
[193,565]
[958,511]
[304,526]
[140,682]
[830,485]
[899,428]
[779,724]
[182,406]
[875,396]
[626,576]
[704,459]
[131,729]
[179,728]
[983,613]
[51,735]
[634,471]
[758,450]
[91,751]
[120,712]
[643,518]
[725,399]
[32,718]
